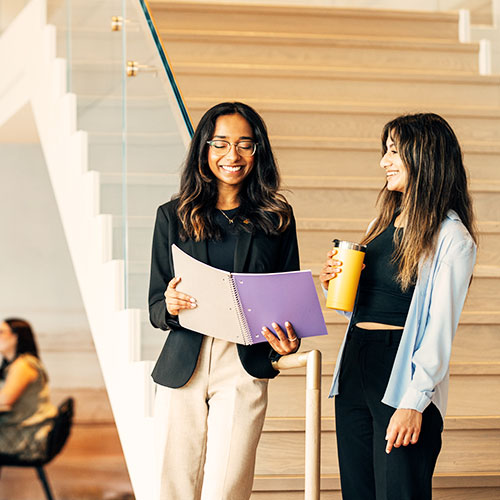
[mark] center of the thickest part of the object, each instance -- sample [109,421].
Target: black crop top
[380,298]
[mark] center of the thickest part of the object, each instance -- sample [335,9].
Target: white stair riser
[152,340]
[105,79]
[304,85]
[370,54]
[98,17]
[106,153]
[96,42]
[322,21]
[141,199]
[106,116]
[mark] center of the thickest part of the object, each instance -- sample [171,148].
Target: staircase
[326,80]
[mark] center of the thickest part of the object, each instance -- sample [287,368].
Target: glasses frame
[235,144]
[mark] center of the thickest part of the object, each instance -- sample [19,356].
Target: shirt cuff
[415,400]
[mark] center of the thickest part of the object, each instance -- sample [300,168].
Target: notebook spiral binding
[242,320]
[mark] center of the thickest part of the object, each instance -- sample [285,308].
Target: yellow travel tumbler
[343,288]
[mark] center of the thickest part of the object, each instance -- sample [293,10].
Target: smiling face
[396,173]
[231,169]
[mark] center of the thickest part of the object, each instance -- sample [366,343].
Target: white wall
[9,10]
[37,279]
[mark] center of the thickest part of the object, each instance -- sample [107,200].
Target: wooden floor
[91,467]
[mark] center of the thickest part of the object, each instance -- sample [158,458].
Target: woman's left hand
[403,429]
[285,343]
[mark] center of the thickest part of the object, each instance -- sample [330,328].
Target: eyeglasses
[243,148]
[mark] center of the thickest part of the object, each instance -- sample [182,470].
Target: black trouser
[367,472]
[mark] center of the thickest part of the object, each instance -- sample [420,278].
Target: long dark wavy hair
[26,343]
[261,205]
[436,183]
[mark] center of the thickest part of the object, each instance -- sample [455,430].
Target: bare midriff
[377,326]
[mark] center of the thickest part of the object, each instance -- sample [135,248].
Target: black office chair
[55,441]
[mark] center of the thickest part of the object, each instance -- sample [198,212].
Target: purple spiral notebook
[235,306]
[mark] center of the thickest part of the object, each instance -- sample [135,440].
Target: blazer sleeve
[161,273]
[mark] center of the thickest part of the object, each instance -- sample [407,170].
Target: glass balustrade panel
[157,133]
[136,124]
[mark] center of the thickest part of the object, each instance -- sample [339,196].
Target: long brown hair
[261,206]
[436,183]
[26,343]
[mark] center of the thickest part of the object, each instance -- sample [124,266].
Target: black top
[221,252]
[380,297]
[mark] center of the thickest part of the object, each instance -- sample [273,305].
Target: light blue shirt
[420,373]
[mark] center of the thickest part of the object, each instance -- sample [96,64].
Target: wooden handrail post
[313,426]
[312,360]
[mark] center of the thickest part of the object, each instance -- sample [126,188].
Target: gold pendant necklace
[229,220]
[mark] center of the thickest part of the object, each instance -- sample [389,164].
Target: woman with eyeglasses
[391,377]
[25,409]
[212,395]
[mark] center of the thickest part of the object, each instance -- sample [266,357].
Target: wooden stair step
[335,119]
[304,19]
[469,395]
[312,49]
[243,81]
[355,197]
[446,486]
[316,234]
[479,298]
[466,448]
[468,345]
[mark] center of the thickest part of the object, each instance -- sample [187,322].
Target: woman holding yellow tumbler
[391,377]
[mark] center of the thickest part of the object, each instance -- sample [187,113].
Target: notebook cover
[280,297]
[216,314]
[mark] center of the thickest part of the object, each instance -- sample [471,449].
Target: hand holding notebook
[235,306]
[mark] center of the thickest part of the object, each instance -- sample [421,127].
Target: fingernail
[193,306]
[275,325]
[287,323]
[193,300]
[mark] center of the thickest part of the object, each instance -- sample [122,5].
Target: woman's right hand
[175,300]
[330,269]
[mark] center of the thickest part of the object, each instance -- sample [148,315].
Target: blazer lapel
[241,252]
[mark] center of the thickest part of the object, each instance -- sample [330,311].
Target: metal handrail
[312,360]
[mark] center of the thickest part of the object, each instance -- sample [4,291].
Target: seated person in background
[25,410]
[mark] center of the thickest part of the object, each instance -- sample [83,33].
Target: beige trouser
[209,429]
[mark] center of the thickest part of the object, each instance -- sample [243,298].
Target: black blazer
[255,253]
